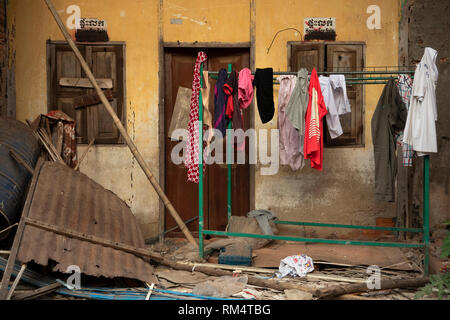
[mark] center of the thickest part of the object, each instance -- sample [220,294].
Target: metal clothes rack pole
[366,77]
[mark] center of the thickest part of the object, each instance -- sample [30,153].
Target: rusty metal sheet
[66,198]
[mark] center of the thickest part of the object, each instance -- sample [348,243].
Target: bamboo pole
[84,154]
[16,281]
[120,127]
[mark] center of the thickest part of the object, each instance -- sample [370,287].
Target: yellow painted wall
[303,195]
[136,23]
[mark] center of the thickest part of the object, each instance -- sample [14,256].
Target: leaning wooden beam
[338,290]
[19,233]
[84,154]
[120,126]
[16,281]
[91,99]
[20,161]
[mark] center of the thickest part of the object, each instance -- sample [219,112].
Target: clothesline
[350,80]
[279,73]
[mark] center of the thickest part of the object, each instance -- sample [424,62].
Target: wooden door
[179,66]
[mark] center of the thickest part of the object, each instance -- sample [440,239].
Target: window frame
[360,134]
[51,45]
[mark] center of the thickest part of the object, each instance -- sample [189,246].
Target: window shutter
[348,58]
[100,124]
[307,56]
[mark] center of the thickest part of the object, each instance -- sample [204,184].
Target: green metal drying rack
[375,77]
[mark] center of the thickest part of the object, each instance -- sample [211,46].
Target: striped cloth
[404,86]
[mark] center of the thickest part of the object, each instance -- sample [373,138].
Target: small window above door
[70,91]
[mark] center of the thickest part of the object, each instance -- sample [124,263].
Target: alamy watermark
[374,280]
[214,153]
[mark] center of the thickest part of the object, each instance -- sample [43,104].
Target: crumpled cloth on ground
[295,266]
[263,217]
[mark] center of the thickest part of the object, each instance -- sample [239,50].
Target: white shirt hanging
[420,128]
[333,121]
[340,93]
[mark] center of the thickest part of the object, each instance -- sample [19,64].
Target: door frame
[163,46]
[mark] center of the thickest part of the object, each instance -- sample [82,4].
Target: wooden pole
[334,291]
[38,292]
[120,127]
[84,154]
[16,282]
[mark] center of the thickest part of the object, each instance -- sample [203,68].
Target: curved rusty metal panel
[69,199]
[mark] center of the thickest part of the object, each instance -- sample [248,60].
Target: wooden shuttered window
[68,85]
[335,57]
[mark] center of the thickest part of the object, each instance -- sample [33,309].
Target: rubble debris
[222,287]
[62,198]
[294,294]
[296,266]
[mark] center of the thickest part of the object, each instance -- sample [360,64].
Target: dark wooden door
[179,66]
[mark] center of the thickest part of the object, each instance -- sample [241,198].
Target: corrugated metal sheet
[66,198]
[18,137]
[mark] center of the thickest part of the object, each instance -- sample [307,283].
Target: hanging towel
[420,129]
[220,100]
[290,152]
[192,148]
[340,93]
[264,93]
[313,145]
[389,117]
[245,88]
[333,121]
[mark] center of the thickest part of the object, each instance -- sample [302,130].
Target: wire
[301,37]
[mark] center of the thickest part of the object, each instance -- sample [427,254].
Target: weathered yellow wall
[136,23]
[343,192]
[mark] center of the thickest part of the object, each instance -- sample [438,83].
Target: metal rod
[229,163]
[137,155]
[332,225]
[293,73]
[426,212]
[315,240]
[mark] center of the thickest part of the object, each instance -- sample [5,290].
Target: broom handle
[121,128]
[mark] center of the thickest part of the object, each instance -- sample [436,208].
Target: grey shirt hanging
[389,116]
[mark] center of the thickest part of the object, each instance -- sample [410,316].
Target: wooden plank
[16,281]
[85,83]
[38,292]
[19,233]
[90,99]
[84,154]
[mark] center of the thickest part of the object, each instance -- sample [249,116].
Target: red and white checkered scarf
[192,148]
